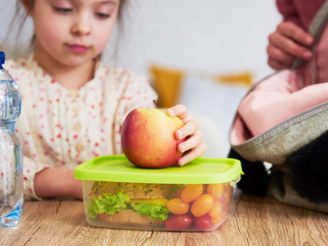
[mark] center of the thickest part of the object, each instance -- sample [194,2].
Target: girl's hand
[286,44]
[194,145]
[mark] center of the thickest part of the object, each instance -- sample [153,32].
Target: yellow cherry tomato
[191,192]
[218,220]
[219,212]
[216,209]
[202,205]
[216,190]
[177,206]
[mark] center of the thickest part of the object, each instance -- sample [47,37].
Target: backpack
[284,122]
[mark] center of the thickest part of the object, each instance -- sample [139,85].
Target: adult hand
[287,43]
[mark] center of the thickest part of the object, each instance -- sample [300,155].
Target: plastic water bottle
[11,166]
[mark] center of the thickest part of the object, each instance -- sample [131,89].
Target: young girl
[73,105]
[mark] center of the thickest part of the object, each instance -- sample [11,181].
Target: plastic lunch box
[195,197]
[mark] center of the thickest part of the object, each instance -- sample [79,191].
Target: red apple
[148,138]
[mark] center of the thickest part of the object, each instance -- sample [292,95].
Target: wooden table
[255,221]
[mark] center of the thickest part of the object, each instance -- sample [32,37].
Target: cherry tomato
[202,205]
[219,220]
[217,212]
[177,206]
[191,192]
[216,190]
[217,209]
[204,223]
[103,217]
[178,222]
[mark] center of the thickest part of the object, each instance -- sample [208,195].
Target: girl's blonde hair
[30,3]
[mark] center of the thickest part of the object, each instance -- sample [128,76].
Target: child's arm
[194,145]
[57,182]
[43,181]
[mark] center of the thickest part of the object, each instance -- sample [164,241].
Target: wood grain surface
[254,221]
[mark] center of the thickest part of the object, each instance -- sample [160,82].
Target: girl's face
[72,32]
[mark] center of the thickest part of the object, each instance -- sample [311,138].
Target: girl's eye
[63,10]
[103,15]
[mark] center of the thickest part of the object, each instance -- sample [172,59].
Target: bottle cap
[2,59]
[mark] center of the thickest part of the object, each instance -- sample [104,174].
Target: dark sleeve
[255,179]
[309,170]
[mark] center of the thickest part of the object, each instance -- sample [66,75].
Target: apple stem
[155,103]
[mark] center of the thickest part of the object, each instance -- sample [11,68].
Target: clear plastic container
[195,197]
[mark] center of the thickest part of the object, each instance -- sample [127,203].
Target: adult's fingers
[295,32]
[276,65]
[279,59]
[289,46]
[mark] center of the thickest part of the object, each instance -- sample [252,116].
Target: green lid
[117,168]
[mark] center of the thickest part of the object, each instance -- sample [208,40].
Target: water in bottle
[11,166]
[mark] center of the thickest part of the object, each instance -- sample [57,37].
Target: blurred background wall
[201,41]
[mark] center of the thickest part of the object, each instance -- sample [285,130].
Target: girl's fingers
[193,146]
[186,130]
[191,142]
[186,118]
[178,110]
[200,150]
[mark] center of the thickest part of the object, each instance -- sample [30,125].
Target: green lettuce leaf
[108,204]
[154,210]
